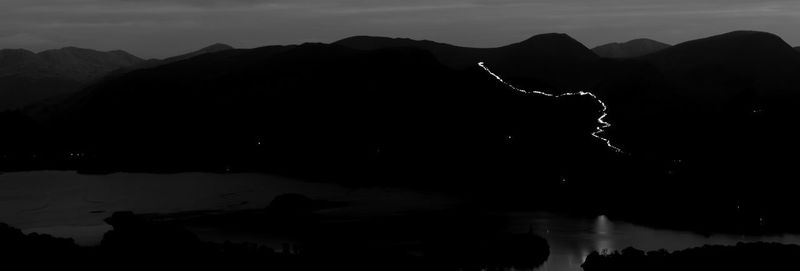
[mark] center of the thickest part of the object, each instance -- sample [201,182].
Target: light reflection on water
[571,239]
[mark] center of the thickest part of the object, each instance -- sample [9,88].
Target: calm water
[68,204]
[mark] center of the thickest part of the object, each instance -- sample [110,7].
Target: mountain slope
[27,77]
[85,65]
[326,108]
[218,47]
[633,48]
[730,63]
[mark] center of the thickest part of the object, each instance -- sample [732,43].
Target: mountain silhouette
[705,87]
[633,48]
[150,63]
[17,91]
[709,106]
[217,47]
[550,61]
[27,77]
[713,116]
[738,61]
[85,65]
[315,108]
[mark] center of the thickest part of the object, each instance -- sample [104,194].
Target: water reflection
[602,226]
[571,239]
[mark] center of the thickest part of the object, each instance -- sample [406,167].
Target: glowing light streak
[602,124]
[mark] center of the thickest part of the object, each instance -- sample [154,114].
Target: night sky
[159,28]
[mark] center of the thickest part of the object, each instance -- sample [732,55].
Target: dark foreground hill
[717,113]
[742,256]
[691,114]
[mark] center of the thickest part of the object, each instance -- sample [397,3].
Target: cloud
[353,10]
[23,40]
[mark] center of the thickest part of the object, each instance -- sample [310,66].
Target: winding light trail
[602,123]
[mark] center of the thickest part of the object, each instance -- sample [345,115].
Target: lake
[67,204]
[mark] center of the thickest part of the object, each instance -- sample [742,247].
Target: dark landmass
[742,256]
[322,242]
[710,118]
[629,49]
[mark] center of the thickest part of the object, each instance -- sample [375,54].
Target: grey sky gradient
[160,28]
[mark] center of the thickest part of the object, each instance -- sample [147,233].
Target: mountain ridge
[27,77]
[151,63]
[553,60]
[629,49]
[739,60]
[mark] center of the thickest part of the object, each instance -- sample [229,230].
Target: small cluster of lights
[602,123]
[77,154]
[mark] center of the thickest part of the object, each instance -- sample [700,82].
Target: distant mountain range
[703,116]
[714,116]
[633,48]
[27,77]
[743,71]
